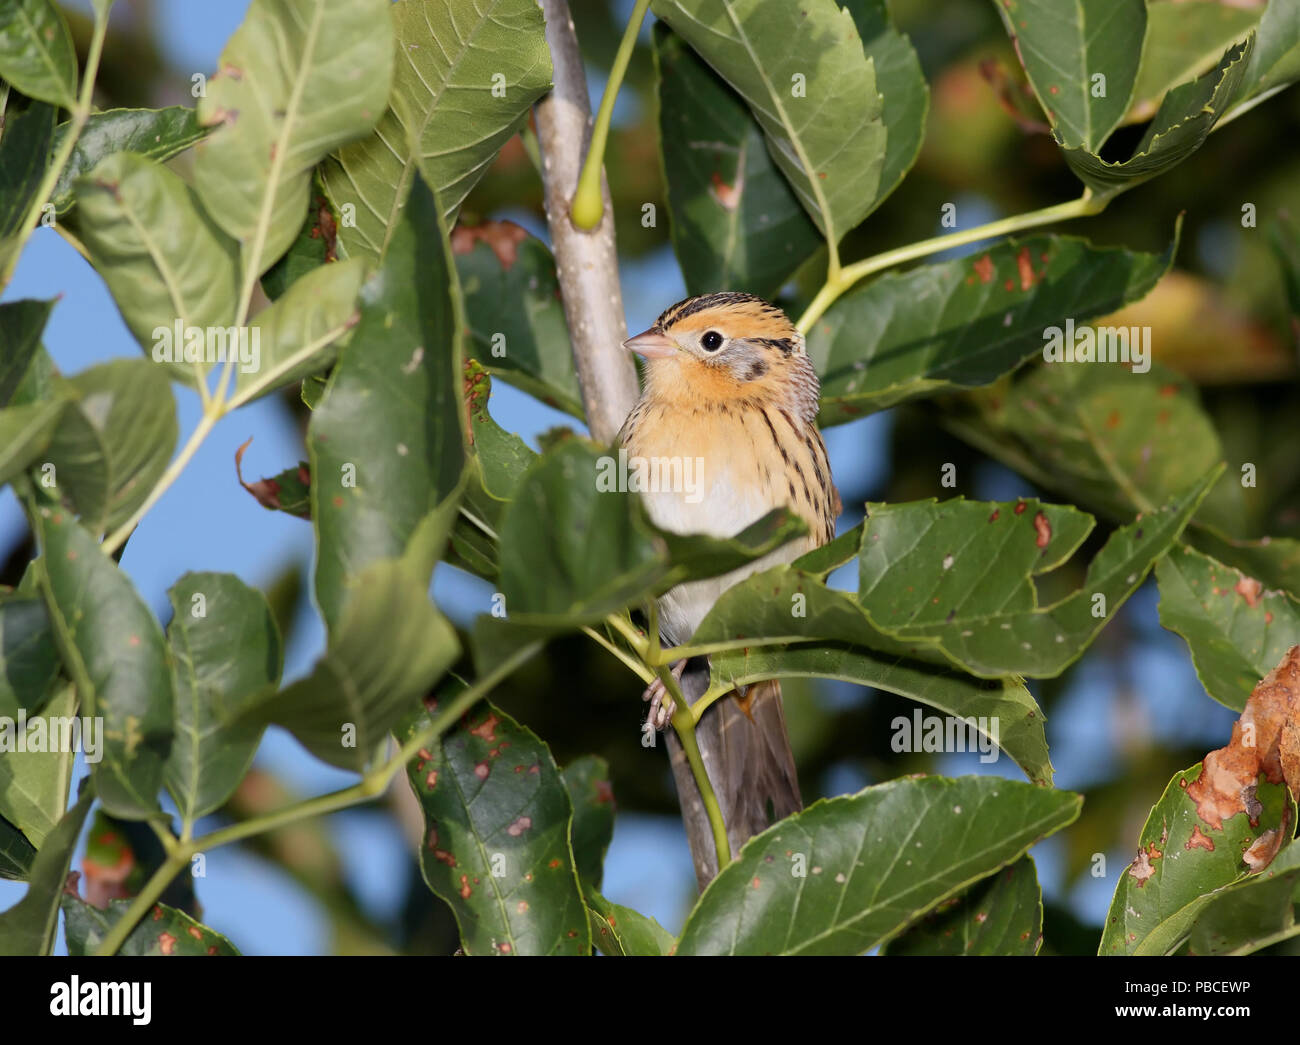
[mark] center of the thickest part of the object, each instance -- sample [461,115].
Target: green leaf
[872,862]
[1063,47]
[964,323]
[24,154]
[1273,561]
[158,134]
[516,323]
[387,649]
[115,442]
[1236,631]
[958,575]
[34,781]
[16,853]
[29,660]
[1002,915]
[225,654]
[387,441]
[569,549]
[736,223]
[25,433]
[1119,441]
[165,262]
[496,838]
[113,650]
[620,931]
[129,404]
[1180,126]
[299,334]
[1184,39]
[465,78]
[587,781]
[78,459]
[802,71]
[28,927]
[1275,59]
[753,632]
[904,93]
[21,326]
[164,931]
[297,79]
[1242,918]
[36,54]
[1182,863]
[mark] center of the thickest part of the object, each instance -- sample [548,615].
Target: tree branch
[586,262]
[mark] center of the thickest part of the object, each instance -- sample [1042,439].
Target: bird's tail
[746,750]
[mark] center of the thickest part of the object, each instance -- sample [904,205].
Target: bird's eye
[712,341]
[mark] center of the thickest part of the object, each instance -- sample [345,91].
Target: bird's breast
[719,469]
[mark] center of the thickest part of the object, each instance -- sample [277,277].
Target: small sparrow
[728,385]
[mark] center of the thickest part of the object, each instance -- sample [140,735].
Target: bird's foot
[662,704]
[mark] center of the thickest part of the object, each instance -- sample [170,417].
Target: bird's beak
[652,345]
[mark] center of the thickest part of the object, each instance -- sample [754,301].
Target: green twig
[587,208]
[370,786]
[683,721]
[838,282]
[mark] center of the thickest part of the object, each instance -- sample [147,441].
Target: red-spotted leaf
[496,842]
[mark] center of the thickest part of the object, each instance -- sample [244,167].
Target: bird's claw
[662,705]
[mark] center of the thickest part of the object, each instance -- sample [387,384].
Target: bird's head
[727,345]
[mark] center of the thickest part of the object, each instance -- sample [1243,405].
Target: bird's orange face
[721,348]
